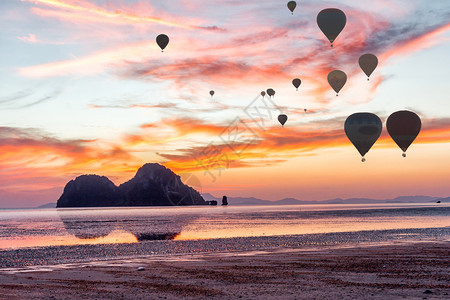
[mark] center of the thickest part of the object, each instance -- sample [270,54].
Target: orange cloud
[276,144]
[32,160]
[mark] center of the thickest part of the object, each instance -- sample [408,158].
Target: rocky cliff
[153,185]
[88,191]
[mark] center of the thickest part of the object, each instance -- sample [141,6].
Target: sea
[40,237]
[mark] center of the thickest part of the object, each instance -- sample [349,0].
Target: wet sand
[403,270]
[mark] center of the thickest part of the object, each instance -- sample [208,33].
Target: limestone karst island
[153,185]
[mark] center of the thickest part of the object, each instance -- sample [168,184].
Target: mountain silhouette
[153,185]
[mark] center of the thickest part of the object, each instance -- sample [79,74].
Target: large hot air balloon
[296,82]
[368,62]
[162,40]
[363,130]
[337,80]
[282,119]
[403,126]
[211,92]
[263,93]
[331,21]
[270,92]
[291,5]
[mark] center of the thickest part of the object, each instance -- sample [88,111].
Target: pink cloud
[31,38]
[83,11]
[417,43]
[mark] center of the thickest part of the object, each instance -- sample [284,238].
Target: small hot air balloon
[211,92]
[337,80]
[403,126]
[270,92]
[296,82]
[291,5]
[263,93]
[363,130]
[331,21]
[282,119]
[162,40]
[305,109]
[368,62]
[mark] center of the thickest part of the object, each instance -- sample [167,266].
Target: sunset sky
[85,89]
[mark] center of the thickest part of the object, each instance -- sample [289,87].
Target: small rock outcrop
[153,185]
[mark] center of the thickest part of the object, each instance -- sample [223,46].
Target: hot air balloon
[282,119]
[363,130]
[162,40]
[403,126]
[337,80]
[331,21]
[211,92]
[296,82]
[263,93]
[270,92]
[291,5]
[368,62]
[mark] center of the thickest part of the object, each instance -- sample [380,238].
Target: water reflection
[143,228]
[50,227]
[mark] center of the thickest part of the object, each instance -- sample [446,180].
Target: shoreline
[118,261]
[54,255]
[401,269]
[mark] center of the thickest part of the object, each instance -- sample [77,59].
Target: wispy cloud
[28,98]
[31,38]
[76,11]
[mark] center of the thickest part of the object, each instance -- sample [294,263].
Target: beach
[395,270]
[254,252]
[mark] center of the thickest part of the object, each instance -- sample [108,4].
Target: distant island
[292,201]
[153,185]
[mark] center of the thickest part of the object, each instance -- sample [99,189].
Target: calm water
[43,236]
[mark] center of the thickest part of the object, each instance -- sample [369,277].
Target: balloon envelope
[291,5]
[403,126]
[337,80]
[211,92]
[263,93]
[162,40]
[363,130]
[282,119]
[368,62]
[270,92]
[331,21]
[296,82]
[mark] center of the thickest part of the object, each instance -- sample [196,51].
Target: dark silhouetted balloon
[368,62]
[282,119]
[263,93]
[270,92]
[403,126]
[296,82]
[211,92]
[291,5]
[337,80]
[363,130]
[162,40]
[331,21]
